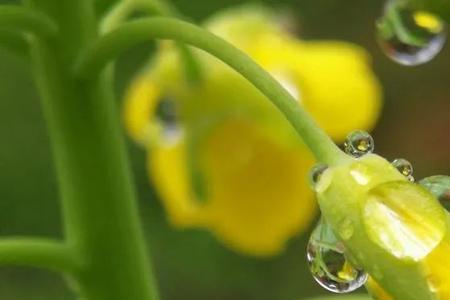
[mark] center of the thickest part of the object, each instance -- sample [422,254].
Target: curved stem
[111,45]
[116,15]
[123,9]
[41,253]
[22,18]
[119,12]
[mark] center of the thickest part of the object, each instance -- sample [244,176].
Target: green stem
[14,42]
[100,210]
[111,45]
[42,253]
[118,13]
[21,18]
[123,9]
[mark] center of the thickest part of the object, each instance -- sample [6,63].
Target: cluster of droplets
[326,255]
[409,36]
[329,264]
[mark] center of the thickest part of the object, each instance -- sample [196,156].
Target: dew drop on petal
[410,37]
[404,167]
[359,143]
[329,265]
[315,174]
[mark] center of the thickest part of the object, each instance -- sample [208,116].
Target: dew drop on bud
[410,37]
[315,173]
[404,167]
[359,143]
[328,264]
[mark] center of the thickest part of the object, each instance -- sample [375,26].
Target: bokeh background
[191,264]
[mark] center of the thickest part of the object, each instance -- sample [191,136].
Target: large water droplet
[404,167]
[315,174]
[359,143]
[410,37]
[328,264]
[439,186]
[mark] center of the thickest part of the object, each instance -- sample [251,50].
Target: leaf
[439,186]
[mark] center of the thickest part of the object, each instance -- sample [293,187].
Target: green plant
[70,52]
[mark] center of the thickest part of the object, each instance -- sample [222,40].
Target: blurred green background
[415,124]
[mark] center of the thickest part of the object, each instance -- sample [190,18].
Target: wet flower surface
[400,228]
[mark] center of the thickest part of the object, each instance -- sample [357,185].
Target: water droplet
[168,120]
[346,229]
[329,265]
[359,143]
[404,167]
[439,186]
[410,37]
[315,174]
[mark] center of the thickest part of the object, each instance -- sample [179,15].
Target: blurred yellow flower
[250,165]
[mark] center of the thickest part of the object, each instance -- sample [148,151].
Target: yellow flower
[435,271]
[394,229]
[250,165]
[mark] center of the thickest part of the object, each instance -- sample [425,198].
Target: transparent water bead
[315,173]
[168,121]
[439,186]
[404,167]
[410,37]
[328,263]
[359,143]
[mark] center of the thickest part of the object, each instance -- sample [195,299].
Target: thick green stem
[99,203]
[132,33]
[21,18]
[42,253]
[14,42]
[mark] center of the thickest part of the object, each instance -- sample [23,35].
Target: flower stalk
[132,33]
[99,203]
